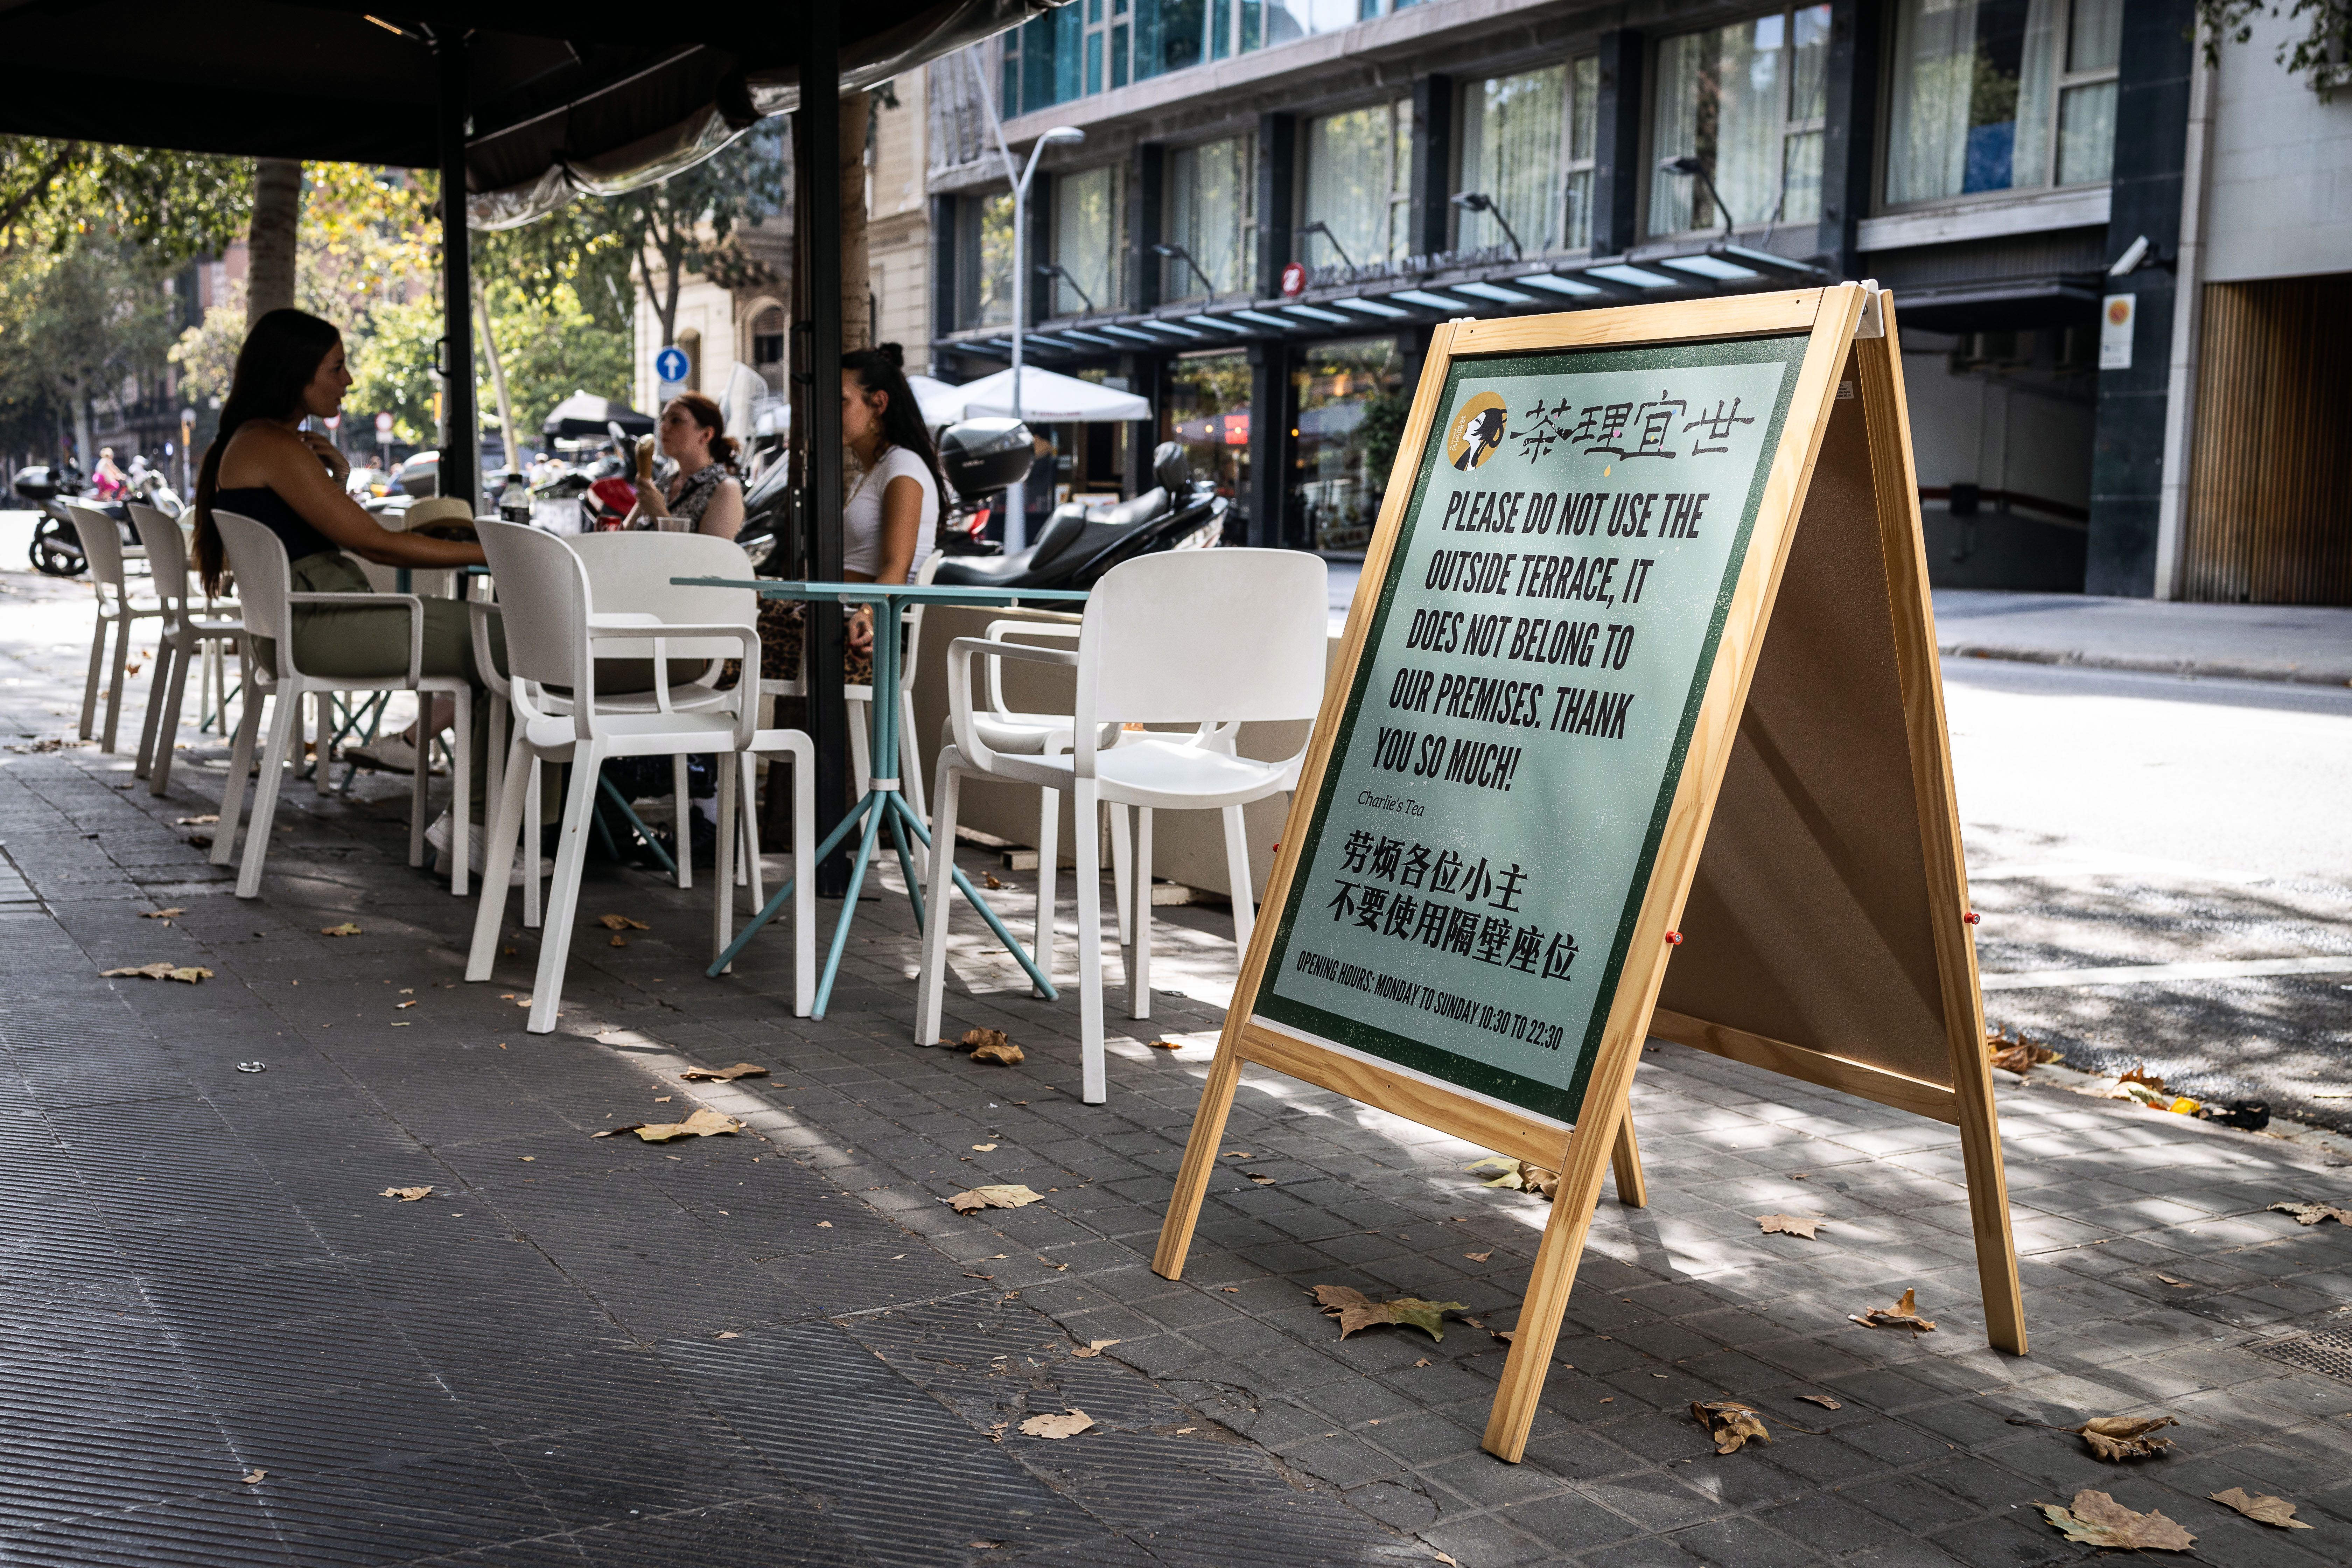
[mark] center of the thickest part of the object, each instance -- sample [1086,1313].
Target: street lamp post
[1692,167]
[1480,202]
[1017,496]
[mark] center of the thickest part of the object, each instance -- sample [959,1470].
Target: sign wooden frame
[1849,353]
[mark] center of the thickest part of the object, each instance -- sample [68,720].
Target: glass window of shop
[1089,240]
[1351,403]
[1207,411]
[1213,215]
[984,252]
[1359,186]
[2001,95]
[1747,101]
[1526,146]
[1099,45]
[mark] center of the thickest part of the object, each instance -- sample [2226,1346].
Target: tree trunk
[857,286]
[86,449]
[506,437]
[269,245]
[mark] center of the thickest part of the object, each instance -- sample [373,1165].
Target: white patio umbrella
[942,403]
[1047,398]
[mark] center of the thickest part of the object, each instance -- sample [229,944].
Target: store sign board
[1555,678]
[1519,722]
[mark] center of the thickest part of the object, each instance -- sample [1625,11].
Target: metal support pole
[461,468]
[820,114]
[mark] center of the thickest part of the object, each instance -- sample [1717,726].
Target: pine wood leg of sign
[1625,1160]
[1200,1158]
[1589,1148]
[1879,370]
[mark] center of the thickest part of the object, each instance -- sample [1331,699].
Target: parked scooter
[1080,544]
[57,544]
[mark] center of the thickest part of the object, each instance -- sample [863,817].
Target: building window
[1207,410]
[1351,407]
[1212,215]
[1101,45]
[1359,186]
[1747,101]
[1089,241]
[767,346]
[2001,95]
[1526,146]
[984,255]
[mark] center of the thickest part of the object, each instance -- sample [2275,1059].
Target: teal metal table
[882,805]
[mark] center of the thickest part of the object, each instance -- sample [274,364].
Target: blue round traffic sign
[670,364]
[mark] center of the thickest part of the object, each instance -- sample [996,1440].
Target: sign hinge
[1873,319]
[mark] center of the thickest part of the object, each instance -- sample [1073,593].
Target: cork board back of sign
[1808,921]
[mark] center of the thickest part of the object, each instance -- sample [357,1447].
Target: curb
[2185,668]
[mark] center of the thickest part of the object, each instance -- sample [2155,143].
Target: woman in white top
[889,521]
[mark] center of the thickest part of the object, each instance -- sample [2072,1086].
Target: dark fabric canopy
[585,413]
[562,97]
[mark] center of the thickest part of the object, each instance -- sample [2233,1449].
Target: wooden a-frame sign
[1559,749]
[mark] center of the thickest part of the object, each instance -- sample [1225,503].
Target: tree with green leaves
[683,224]
[2322,56]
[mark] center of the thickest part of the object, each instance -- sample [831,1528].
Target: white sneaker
[436,838]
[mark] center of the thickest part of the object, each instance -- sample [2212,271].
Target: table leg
[775,905]
[898,842]
[874,817]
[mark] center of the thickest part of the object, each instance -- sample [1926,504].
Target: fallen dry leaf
[2118,1437]
[1790,1224]
[2020,1056]
[1260,1177]
[1477,1256]
[617,1131]
[346,929]
[1167,1045]
[189,973]
[2098,1519]
[1823,1400]
[664,1099]
[985,1545]
[2305,1213]
[1001,1196]
[406,1195]
[1903,1314]
[1506,1336]
[704,1123]
[1001,1051]
[2176,1284]
[983,1148]
[1092,1349]
[1447,1558]
[206,820]
[253,1477]
[621,922]
[991,879]
[162,914]
[1066,1426]
[1519,1175]
[618,942]
[723,1075]
[1730,1422]
[1234,1154]
[2271,1510]
[1422,1361]
[1357,1310]
[728,1334]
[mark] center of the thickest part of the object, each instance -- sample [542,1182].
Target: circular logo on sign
[1294,279]
[2119,310]
[1476,431]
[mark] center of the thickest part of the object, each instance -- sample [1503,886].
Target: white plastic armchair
[265,580]
[554,635]
[101,547]
[185,636]
[1212,638]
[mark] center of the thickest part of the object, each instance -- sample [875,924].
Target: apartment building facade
[1274,203]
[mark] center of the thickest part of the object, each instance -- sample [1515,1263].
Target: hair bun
[892,352]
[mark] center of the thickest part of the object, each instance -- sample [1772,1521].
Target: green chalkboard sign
[1518,720]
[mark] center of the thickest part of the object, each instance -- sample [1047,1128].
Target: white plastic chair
[1214,638]
[265,579]
[102,547]
[555,633]
[184,636]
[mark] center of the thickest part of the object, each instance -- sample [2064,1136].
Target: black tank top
[270,510]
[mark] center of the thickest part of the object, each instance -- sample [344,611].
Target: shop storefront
[1350,399]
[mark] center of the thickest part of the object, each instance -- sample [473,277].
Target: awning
[1048,398]
[583,414]
[562,98]
[941,403]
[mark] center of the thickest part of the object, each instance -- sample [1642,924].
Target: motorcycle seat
[1142,509]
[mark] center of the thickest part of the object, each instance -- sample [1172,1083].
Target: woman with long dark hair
[889,521]
[263,465]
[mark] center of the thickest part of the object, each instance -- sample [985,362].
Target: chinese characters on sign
[1547,619]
